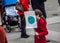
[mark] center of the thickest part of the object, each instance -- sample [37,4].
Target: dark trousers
[59,2]
[40,6]
[23,25]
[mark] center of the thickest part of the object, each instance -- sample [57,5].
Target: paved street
[52,8]
[53,25]
[14,36]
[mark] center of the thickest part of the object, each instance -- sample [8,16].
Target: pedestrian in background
[39,4]
[41,31]
[25,6]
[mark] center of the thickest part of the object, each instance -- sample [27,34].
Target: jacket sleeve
[43,29]
[3,38]
[25,4]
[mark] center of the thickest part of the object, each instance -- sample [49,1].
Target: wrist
[36,33]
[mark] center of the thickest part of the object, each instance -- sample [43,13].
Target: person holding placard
[21,9]
[41,31]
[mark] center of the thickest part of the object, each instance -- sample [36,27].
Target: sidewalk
[52,8]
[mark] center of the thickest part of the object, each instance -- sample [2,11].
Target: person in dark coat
[39,4]
[41,30]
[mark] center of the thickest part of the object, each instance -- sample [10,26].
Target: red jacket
[3,38]
[25,6]
[42,31]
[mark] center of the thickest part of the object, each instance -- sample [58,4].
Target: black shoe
[48,40]
[25,36]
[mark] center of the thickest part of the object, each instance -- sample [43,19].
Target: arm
[44,29]
[2,35]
